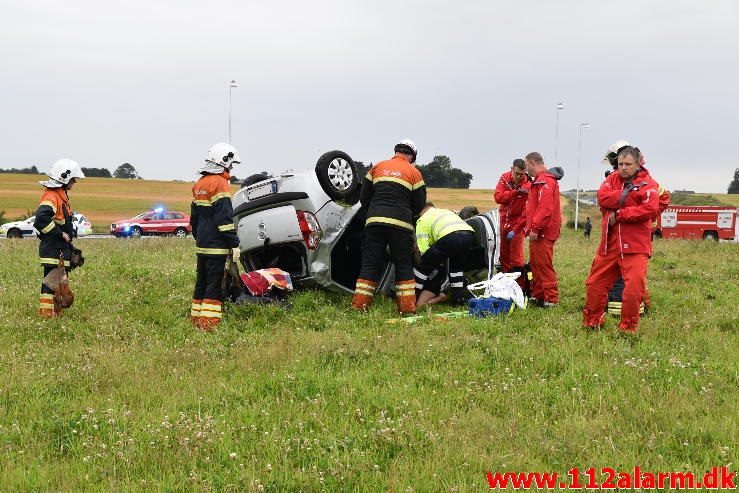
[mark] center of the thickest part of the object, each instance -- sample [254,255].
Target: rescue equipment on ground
[58,281]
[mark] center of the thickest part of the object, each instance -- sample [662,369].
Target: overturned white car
[309,223]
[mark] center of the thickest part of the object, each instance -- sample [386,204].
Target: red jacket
[512,200]
[543,214]
[634,208]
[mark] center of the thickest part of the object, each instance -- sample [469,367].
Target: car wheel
[337,175]
[180,232]
[136,232]
[15,233]
[710,235]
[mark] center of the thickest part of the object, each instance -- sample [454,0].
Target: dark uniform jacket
[211,215]
[394,192]
[54,217]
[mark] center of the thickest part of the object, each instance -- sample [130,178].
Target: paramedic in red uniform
[511,194]
[628,199]
[214,231]
[394,193]
[543,219]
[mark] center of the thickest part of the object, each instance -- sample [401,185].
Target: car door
[150,223]
[27,227]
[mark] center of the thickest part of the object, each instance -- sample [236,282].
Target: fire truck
[709,222]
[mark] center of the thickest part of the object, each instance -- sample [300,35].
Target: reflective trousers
[544,284]
[207,300]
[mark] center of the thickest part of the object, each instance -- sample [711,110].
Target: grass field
[122,394]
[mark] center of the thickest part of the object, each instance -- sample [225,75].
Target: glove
[510,235]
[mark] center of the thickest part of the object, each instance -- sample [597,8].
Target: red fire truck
[710,222]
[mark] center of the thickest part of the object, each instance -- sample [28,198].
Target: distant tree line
[734,185]
[97,172]
[33,170]
[439,173]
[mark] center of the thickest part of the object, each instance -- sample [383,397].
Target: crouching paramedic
[54,224]
[628,199]
[214,231]
[441,235]
[394,192]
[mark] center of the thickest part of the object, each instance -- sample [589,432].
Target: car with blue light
[156,222]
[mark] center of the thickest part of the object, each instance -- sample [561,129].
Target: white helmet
[612,152]
[406,146]
[220,157]
[62,172]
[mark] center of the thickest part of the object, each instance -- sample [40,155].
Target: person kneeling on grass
[441,235]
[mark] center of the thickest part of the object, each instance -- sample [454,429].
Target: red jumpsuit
[512,200]
[544,217]
[624,249]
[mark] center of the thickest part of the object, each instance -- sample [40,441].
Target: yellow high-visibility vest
[435,224]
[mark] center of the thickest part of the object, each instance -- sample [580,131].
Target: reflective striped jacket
[394,192]
[54,217]
[211,215]
[436,224]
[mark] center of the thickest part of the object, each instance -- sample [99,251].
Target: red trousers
[603,273]
[544,284]
[511,252]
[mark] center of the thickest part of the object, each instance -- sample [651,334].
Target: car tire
[136,232]
[710,235]
[337,175]
[15,233]
[180,232]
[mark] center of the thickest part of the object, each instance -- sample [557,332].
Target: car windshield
[141,216]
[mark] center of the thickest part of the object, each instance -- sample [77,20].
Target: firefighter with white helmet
[212,223]
[394,194]
[54,223]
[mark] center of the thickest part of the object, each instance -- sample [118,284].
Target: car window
[177,215]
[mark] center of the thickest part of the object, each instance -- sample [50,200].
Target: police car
[24,228]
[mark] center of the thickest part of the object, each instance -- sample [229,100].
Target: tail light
[310,228]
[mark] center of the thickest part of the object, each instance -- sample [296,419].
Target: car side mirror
[147,219]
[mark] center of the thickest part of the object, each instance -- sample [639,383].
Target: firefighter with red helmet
[512,193]
[394,193]
[628,199]
[212,223]
[53,222]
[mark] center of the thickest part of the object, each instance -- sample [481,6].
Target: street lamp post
[231,85]
[560,106]
[577,186]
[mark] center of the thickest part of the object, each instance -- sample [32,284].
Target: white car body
[25,229]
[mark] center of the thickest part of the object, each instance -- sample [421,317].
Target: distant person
[394,193]
[543,220]
[213,228]
[54,222]
[512,193]
[588,228]
[628,199]
[441,235]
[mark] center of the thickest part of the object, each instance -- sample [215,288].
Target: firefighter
[214,231]
[543,220]
[441,235]
[588,228]
[54,222]
[511,194]
[628,199]
[611,158]
[394,193]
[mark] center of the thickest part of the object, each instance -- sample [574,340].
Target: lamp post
[577,186]
[231,85]
[560,106]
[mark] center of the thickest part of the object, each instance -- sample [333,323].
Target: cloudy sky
[146,82]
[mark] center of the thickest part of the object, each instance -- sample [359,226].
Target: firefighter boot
[405,297]
[46,306]
[211,312]
[195,312]
[364,293]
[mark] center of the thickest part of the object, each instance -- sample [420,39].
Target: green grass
[122,394]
